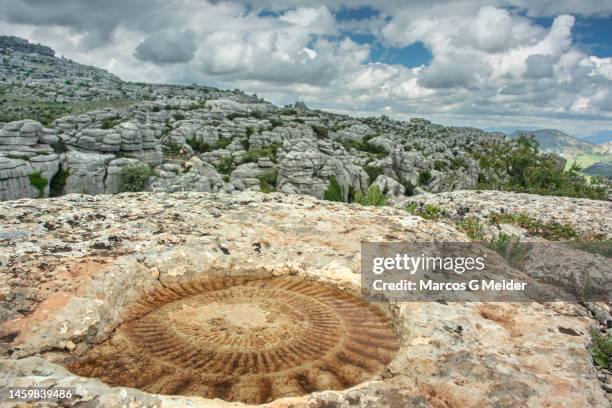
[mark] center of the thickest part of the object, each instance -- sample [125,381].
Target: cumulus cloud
[539,66]
[491,60]
[167,47]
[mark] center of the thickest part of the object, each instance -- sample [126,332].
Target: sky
[489,63]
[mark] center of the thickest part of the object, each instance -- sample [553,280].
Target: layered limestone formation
[25,152]
[117,287]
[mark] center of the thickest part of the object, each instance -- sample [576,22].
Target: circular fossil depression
[249,340]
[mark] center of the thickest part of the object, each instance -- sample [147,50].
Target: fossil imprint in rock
[249,340]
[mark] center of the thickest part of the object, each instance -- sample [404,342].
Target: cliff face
[15,44]
[76,268]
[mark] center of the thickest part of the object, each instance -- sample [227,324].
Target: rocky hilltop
[78,269]
[194,138]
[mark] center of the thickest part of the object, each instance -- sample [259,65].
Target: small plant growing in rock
[223,142]
[134,178]
[553,231]
[37,180]
[321,131]
[178,116]
[226,165]
[424,177]
[601,348]
[510,247]
[109,123]
[374,197]
[334,191]
[198,145]
[60,146]
[472,227]
[428,211]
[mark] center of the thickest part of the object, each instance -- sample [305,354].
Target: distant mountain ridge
[555,141]
[574,150]
[602,137]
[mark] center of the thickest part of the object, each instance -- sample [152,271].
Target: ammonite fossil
[245,340]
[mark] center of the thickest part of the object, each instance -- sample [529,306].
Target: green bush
[253,155]
[365,146]
[223,142]
[510,247]
[110,122]
[267,181]
[199,145]
[249,131]
[428,211]
[274,123]
[552,231]
[171,148]
[178,116]
[226,165]
[472,227]
[334,191]
[424,177]
[321,131]
[601,348]
[374,197]
[134,178]
[37,180]
[60,146]
[518,166]
[601,247]
[373,172]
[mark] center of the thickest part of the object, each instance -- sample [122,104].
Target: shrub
[199,145]
[510,247]
[518,166]
[601,348]
[60,146]
[374,197]
[321,131]
[37,180]
[553,231]
[472,227]
[365,146]
[267,181]
[334,191]
[110,122]
[600,247]
[428,211]
[249,131]
[171,148]
[424,177]
[223,142]
[178,116]
[431,212]
[373,172]
[134,178]
[56,186]
[253,155]
[226,165]
[274,123]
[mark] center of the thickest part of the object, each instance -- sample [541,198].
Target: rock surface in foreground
[71,267]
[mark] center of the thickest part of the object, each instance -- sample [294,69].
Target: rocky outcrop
[16,44]
[193,175]
[306,169]
[87,171]
[25,153]
[97,256]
